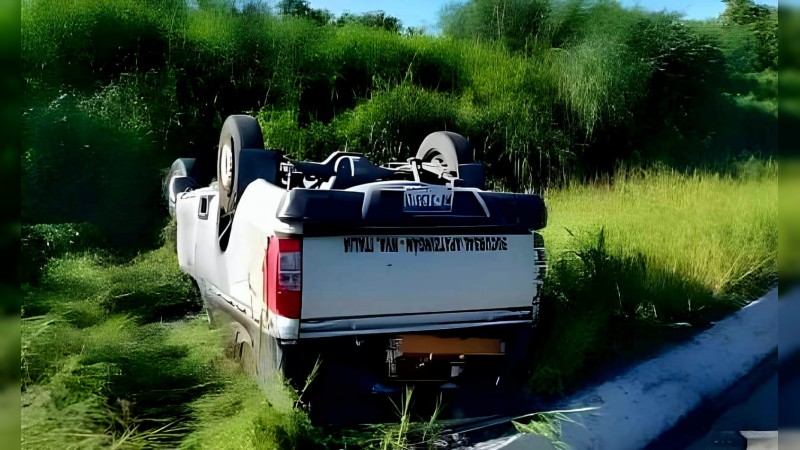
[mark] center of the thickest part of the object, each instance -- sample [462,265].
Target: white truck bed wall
[401,280]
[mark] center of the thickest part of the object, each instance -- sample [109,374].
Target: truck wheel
[447,148]
[238,132]
[271,358]
[243,351]
[247,358]
[182,167]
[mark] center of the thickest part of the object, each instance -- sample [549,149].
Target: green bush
[81,42]
[395,121]
[81,166]
[42,242]
[516,23]
[283,131]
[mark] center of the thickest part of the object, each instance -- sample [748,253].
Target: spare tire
[447,148]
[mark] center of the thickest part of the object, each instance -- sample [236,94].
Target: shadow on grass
[601,311]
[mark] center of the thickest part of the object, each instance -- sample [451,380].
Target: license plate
[428,200]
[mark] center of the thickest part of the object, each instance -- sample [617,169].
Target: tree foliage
[374,19]
[762,22]
[302,8]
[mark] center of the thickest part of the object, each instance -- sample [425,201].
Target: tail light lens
[283,280]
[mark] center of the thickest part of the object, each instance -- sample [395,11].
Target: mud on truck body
[409,271]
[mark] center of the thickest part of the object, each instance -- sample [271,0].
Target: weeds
[547,425]
[298,403]
[407,434]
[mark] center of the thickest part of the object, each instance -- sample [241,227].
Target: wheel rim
[226,167]
[434,157]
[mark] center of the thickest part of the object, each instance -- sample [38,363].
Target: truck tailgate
[369,276]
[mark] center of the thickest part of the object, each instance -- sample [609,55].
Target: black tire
[238,132]
[448,148]
[241,346]
[271,358]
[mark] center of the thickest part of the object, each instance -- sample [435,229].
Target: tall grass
[408,432]
[635,260]
[114,355]
[716,230]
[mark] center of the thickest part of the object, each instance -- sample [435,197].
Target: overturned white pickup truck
[411,271]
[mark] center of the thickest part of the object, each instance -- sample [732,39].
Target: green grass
[544,424]
[716,230]
[634,260]
[407,433]
[115,355]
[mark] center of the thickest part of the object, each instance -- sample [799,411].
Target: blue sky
[426,12]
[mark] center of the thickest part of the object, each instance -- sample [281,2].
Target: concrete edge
[634,408]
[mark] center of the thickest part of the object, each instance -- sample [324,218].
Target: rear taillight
[283,280]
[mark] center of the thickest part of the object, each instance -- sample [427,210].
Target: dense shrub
[42,242]
[516,23]
[79,166]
